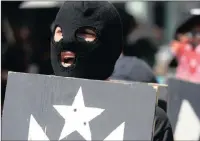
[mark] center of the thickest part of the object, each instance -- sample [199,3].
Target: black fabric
[94,60]
[15,59]
[163,130]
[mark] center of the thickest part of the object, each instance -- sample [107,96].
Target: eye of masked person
[84,34]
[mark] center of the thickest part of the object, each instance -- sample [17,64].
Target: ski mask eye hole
[85,35]
[58,34]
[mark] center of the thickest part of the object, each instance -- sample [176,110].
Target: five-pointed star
[77,117]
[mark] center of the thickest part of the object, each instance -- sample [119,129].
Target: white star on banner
[77,117]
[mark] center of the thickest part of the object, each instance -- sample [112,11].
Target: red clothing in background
[188,62]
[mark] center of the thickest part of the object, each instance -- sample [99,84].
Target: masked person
[86,43]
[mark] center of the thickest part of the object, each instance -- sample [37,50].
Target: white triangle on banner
[188,125]
[117,134]
[35,131]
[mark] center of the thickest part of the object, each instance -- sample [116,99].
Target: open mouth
[67,58]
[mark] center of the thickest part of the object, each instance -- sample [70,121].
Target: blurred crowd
[26,37]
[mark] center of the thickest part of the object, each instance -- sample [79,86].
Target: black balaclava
[93,60]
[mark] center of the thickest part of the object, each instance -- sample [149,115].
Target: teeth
[89,39]
[69,56]
[66,64]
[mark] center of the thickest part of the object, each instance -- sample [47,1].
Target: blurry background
[149,28]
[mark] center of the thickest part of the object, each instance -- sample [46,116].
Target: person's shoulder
[124,58]
[134,61]
[142,63]
[144,70]
[133,69]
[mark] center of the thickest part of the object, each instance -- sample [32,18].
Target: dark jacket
[163,129]
[130,68]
